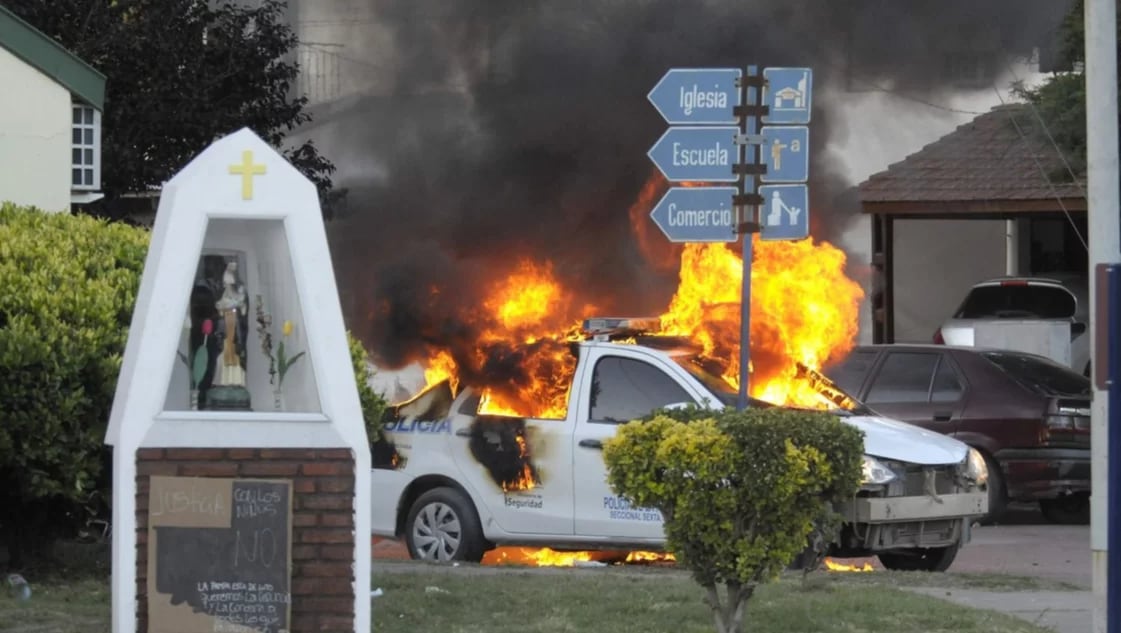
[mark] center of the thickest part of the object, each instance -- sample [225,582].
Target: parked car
[453,482]
[1064,298]
[1028,415]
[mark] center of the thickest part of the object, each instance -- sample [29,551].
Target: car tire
[443,526]
[1066,510]
[935,559]
[998,493]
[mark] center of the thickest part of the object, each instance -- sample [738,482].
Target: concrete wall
[936,261]
[35,139]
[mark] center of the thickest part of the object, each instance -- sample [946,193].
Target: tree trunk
[713,601]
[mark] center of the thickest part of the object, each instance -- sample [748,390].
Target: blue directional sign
[697,154]
[697,214]
[785,213]
[788,94]
[786,153]
[697,95]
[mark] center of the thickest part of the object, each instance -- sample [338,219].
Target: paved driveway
[1028,546]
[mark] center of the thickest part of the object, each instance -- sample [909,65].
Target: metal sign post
[701,147]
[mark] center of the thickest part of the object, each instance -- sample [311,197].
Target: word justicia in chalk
[419,426]
[694,97]
[715,156]
[699,217]
[193,501]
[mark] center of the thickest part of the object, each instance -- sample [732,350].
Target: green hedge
[68,287]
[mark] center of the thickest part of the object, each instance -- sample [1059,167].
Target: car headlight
[976,468]
[876,472]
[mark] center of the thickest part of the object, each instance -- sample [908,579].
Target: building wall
[936,261]
[35,121]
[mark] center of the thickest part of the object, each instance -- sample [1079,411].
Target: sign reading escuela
[219,555]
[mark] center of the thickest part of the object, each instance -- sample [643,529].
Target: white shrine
[237,340]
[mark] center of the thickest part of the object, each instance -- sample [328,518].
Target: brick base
[322,522]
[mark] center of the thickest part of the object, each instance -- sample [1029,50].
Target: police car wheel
[443,526]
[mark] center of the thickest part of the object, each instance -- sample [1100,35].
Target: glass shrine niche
[243,345]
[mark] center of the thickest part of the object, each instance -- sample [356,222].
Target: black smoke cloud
[542,148]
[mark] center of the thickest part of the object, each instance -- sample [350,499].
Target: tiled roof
[983,161]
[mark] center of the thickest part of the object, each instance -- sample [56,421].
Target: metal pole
[1104,228]
[750,96]
[1113,334]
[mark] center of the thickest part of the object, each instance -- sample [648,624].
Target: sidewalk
[1061,611]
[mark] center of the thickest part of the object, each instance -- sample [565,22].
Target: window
[1040,375]
[1018,302]
[850,373]
[947,387]
[85,148]
[904,377]
[624,389]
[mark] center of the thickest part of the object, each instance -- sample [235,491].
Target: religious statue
[231,306]
[227,387]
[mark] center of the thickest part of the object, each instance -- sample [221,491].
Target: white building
[50,120]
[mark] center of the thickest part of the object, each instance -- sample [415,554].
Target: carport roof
[983,167]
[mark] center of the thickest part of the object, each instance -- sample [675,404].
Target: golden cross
[247,170]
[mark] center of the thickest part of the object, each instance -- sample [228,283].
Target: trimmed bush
[740,492]
[69,284]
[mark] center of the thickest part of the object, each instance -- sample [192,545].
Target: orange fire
[833,565]
[525,480]
[546,557]
[803,310]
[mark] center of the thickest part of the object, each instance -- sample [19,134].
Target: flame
[545,557]
[803,315]
[523,331]
[650,557]
[803,311]
[525,480]
[441,367]
[832,565]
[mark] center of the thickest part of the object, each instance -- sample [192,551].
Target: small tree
[740,492]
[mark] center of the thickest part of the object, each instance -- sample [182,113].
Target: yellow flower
[287,328]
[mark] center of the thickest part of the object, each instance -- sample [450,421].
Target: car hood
[899,441]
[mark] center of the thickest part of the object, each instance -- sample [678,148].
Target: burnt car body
[1028,416]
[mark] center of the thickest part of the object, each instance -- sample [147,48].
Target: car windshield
[729,396]
[1017,302]
[1040,375]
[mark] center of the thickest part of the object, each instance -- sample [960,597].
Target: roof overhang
[971,208]
[50,58]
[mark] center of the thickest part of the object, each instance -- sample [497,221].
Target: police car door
[621,385]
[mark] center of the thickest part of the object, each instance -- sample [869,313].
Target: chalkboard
[219,555]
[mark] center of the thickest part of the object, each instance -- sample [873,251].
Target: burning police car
[454,482]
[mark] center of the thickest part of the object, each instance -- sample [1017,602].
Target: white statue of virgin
[232,303]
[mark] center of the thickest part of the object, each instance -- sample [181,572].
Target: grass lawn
[614,600]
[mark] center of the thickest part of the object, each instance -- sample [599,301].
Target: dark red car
[1028,415]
